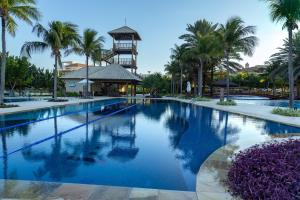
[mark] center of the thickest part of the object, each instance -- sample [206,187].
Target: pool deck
[211,177]
[34,105]
[251,110]
[56,191]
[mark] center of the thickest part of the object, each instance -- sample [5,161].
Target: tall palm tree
[88,45]
[172,68]
[236,38]
[58,37]
[288,12]
[178,53]
[10,10]
[97,56]
[202,43]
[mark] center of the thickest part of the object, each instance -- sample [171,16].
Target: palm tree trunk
[180,79]
[87,77]
[55,79]
[3,63]
[200,78]
[212,82]
[291,70]
[227,75]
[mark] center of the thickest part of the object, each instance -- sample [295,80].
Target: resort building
[258,69]
[111,80]
[69,66]
[119,76]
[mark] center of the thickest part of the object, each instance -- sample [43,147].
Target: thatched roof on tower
[124,33]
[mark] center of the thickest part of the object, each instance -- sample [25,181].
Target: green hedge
[286,112]
[227,103]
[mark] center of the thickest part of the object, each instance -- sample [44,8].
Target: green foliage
[184,97]
[227,103]
[23,10]
[251,80]
[156,84]
[17,70]
[202,99]
[286,112]
[8,106]
[22,74]
[286,11]
[67,94]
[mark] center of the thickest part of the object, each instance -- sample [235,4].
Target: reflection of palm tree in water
[203,134]
[56,163]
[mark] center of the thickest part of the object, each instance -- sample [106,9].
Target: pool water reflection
[155,144]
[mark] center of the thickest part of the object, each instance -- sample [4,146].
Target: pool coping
[4,111]
[54,190]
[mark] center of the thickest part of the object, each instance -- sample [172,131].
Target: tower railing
[125,61]
[124,46]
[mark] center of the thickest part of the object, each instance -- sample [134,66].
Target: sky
[159,23]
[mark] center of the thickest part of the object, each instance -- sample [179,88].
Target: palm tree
[172,68]
[59,36]
[97,56]
[288,12]
[10,10]
[202,44]
[88,45]
[178,53]
[236,38]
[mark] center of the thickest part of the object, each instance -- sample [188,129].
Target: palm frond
[31,47]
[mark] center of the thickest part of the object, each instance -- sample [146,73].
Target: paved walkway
[251,110]
[55,191]
[34,105]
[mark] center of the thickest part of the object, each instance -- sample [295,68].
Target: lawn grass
[286,112]
[227,103]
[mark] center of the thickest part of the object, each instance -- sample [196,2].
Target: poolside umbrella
[222,83]
[188,87]
[84,82]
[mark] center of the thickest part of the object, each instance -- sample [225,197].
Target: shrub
[202,99]
[8,106]
[286,112]
[184,97]
[227,103]
[268,171]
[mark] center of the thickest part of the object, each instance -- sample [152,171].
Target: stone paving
[55,191]
[34,105]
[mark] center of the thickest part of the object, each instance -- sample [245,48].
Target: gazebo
[111,80]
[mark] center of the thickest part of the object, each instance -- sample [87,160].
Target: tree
[17,70]
[202,44]
[97,56]
[236,38]
[178,53]
[10,10]
[156,84]
[58,37]
[288,12]
[87,45]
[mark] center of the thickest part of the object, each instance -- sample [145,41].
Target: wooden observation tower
[124,51]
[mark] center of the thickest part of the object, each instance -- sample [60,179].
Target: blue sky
[159,22]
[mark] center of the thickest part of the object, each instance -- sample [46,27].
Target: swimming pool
[145,143]
[274,103]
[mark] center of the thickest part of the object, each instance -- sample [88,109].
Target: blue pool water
[274,103]
[151,144]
